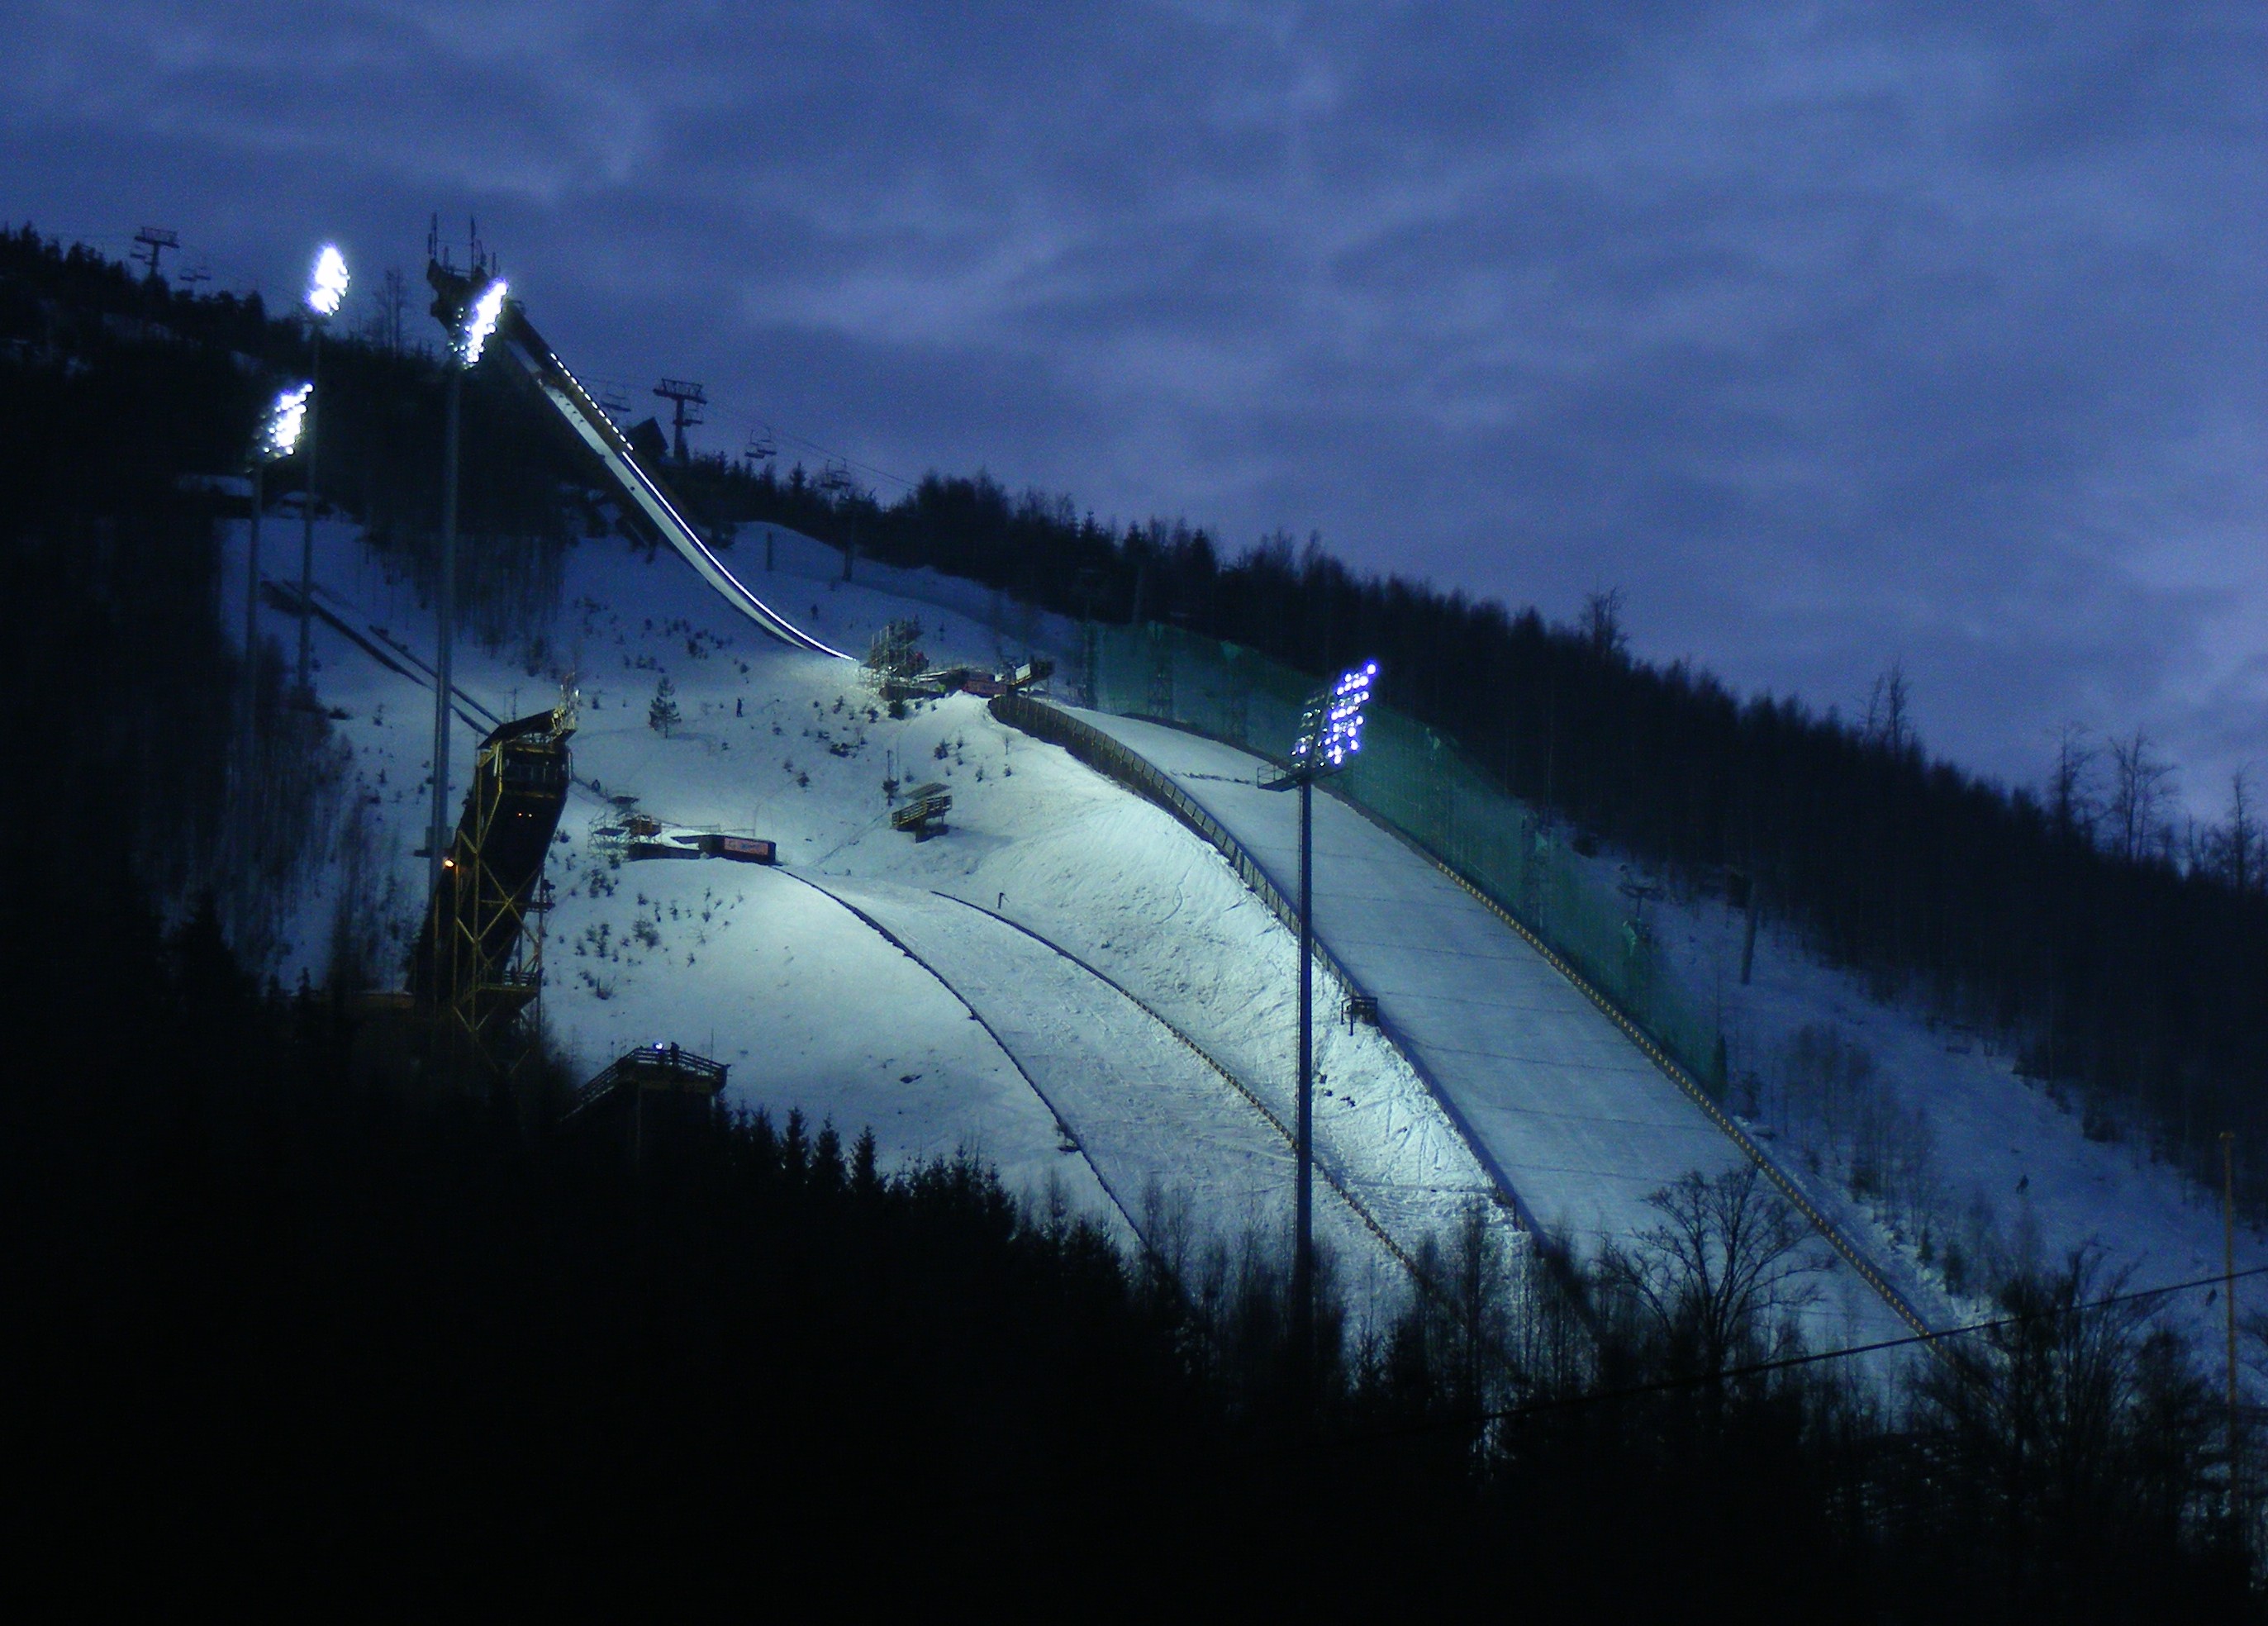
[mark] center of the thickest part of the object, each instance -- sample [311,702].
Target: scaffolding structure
[479,963]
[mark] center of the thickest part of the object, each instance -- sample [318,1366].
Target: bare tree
[1715,1279]
[2075,1400]
[1889,711]
[2141,781]
[1602,623]
[2232,852]
[2071,784]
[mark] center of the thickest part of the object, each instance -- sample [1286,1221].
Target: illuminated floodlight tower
[327,291]
[1329,739]
[279,436]
[470,329]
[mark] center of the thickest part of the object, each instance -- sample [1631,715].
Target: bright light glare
[1330,732]
[481,322]
[285,419]
[326,288]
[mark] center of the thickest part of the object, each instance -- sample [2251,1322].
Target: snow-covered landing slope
[809,1006]
[1150,1112]
[1582,1125]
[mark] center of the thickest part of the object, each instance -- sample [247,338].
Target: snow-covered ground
[1582,1125]
[814,1008]
[1989,1166]
[791,985]
[1149,1110]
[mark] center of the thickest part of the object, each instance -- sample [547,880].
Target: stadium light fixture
[1329,738]
[1330,726]
[473,329]
[279,431]
[481,319]
[327,292]
[327,283]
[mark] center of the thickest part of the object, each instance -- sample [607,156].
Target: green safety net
[1417,782]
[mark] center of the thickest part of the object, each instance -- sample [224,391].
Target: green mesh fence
[1413,779]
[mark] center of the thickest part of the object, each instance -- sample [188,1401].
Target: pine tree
[662,715]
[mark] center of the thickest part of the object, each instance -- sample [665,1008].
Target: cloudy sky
[1834,334]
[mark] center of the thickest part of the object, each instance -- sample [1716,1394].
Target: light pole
[279,433]
[1330,734]
[2228,1297]
[327,291]
[468,337]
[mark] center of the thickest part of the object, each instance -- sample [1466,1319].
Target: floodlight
[481,322]
[1330,727]
[1331,735]
[280,433]
[327,286]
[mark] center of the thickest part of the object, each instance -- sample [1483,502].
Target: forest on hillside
[2122,949]
[289,1306]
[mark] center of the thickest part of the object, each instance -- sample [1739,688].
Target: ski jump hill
[1578,1115]
[1086,986]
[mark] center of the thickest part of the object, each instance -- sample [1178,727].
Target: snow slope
[810,1005]
[814,1009]
[1149,1111]
[1995,1166]
[1582,1125]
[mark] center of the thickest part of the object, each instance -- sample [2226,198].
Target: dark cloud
[1833,333]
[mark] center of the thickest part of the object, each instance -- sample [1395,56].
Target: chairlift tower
[682,395]
[151,243]
[835,484]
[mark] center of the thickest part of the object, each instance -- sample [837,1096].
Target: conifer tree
[662,715]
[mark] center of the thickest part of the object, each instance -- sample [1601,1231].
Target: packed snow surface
[815,1009]
[1581,1124]
[1150,1112]
[1066,1052]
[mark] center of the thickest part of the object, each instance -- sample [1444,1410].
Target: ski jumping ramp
[1146,1109]
[1571,1115]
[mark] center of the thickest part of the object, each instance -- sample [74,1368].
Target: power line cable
[1785,1363]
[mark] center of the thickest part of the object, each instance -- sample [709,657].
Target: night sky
[1831,335]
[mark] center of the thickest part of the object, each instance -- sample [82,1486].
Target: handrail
[625,1067]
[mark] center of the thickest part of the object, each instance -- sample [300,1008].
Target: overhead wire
[1789,1361]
